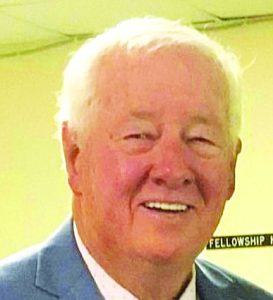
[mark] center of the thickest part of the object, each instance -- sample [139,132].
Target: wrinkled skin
[160,133]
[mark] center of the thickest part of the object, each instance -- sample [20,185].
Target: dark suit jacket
[55,270]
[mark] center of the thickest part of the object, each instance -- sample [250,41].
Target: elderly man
[150,121]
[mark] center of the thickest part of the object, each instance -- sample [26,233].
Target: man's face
[157,166]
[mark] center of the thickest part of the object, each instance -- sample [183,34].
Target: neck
[152,280]
[145,279]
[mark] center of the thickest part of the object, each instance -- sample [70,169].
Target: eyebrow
[201,119]
[207,121]
[143,114]
[196,119]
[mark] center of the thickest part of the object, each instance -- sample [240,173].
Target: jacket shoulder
[214,278]
[17,275]
[45,271]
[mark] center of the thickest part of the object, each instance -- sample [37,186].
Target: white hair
[142,34]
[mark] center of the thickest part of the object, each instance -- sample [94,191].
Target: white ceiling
[31,25]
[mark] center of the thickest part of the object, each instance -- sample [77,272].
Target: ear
[237,149]
[71,152]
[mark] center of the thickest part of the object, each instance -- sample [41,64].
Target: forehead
[150,80]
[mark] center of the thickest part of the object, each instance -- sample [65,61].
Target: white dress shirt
[109,288]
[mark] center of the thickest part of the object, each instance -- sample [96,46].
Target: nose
[171,167]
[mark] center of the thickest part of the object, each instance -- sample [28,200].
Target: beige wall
[250,211]
[35,198]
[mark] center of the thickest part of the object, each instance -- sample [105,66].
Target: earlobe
[238,146]
[71,153]
[238,149]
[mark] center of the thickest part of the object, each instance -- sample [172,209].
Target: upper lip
[170,200]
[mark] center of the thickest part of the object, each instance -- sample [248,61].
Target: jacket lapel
[214,284]
[83,289]
[61,270]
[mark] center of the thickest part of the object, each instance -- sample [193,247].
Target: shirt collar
[109,288]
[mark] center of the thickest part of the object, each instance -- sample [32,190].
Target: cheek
[117,176]
[116,180]
[216,184]
[215,180]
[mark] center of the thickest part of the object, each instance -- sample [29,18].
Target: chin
[168,253]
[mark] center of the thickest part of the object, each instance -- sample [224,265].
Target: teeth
[176,207]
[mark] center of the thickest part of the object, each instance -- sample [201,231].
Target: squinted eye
[200,139]
[203,146]
[136,143]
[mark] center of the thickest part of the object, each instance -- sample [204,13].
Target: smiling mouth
[167,207]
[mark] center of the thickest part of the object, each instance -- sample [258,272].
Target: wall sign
[240,241]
